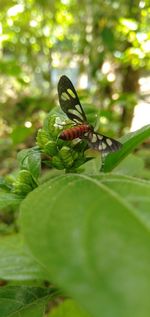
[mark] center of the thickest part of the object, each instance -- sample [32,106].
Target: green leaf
[92,243]
[34,310]
[130,142]
[68,308]
[4,185]
[16,261]
[34,162]
[30,159]
[8,199]
[132,165]
[22,157]
[21,301]
[133,190]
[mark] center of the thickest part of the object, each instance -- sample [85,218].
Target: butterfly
[71,106]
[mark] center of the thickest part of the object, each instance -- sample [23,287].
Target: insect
[70,104]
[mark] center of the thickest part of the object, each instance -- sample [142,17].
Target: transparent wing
[69,101]
[102,143]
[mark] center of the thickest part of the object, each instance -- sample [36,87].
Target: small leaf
[4,184]
[30,159]
[33,310]
[9,199]
[34,163]
[20,301]
[16,262]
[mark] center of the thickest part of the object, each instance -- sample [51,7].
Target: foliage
[23,301]
[111,41]
[130,141]
[59,154]
[64,222]
[117,207]
[95,229]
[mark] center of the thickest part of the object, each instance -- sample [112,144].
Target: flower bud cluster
[62,154]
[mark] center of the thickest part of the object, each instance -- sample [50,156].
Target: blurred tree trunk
[130,85]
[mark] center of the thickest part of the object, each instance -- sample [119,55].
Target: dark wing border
[103,143]
[69,101]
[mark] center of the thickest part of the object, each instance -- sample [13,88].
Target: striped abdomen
[75,132]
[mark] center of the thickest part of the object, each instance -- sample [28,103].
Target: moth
[71,106]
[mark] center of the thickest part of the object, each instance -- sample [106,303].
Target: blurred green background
[103,46]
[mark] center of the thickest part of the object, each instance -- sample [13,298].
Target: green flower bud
[66,156]
[25,177]
[50,148]
[24,183]
[22,189]
[57,162]
[42,138]
[75,155]
[54,125]
[8,181]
